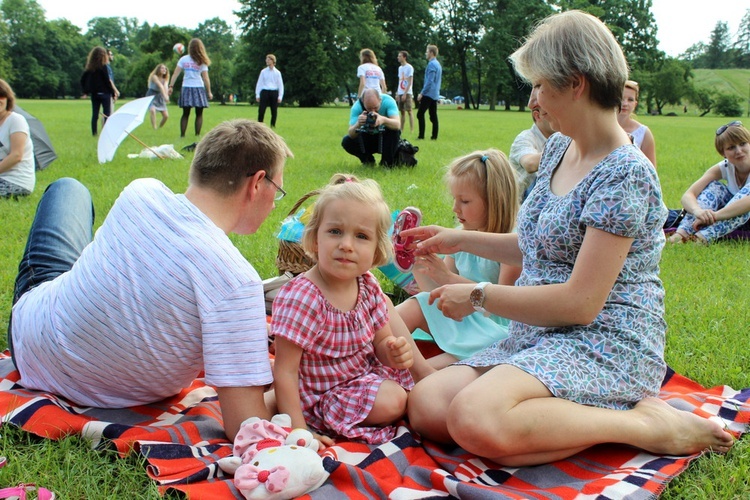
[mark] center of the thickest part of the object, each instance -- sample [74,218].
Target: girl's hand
[453,300]
[324,441]
[399,353]
[430,268]
[434,239]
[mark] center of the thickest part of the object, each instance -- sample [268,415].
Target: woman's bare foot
[670,431]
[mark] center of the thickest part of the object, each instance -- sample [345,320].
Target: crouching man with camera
[374,128]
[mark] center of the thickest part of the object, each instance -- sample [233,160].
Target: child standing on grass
[484,193]
[339,368]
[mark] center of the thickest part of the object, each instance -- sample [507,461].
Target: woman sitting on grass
[715,209]
[584,359]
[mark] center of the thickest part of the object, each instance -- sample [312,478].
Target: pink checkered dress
[339,374]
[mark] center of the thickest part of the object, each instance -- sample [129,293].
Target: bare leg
[164,118]
[390,404]
[518,423]
[431,399]
[412,316]
[442,360]
[411,122]
[152,114]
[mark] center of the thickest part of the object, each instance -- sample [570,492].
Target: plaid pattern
[182,439]
[339,372]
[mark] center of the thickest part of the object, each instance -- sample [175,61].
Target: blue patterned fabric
[616,360]
[716,196]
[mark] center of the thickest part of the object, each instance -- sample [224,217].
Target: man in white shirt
[160,294]
[526,151]
[269,91]
[404,96]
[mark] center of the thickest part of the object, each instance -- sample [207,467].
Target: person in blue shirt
[430,94]
[374,127]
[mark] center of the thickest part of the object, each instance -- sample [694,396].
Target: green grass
[707,293]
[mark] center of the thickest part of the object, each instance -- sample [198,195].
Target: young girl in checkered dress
[341,349]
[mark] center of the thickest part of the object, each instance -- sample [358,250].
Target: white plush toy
[273,462]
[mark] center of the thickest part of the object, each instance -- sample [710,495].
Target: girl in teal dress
[483,188]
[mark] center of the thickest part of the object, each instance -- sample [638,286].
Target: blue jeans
[61,229]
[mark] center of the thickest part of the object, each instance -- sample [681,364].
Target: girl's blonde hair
[153,72]
[495,181]
[349,187]
[731,136]
[197,51]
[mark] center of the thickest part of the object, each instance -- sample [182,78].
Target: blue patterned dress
[618,359]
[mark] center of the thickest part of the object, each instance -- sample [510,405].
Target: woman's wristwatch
[477,297]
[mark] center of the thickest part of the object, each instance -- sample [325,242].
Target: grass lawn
[707,303]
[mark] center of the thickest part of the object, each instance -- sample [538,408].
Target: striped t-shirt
[159,295]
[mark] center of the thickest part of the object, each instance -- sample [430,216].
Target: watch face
[477,297]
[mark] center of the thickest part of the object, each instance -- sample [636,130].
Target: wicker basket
[291,256]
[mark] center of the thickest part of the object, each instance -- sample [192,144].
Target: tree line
[317,43]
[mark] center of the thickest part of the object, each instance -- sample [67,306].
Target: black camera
[369,126]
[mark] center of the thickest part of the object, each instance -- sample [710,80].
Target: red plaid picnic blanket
[182,439]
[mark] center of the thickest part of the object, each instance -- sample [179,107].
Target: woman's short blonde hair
[570,44]
[349,187]
[633,85]
[495,180]
[732,136]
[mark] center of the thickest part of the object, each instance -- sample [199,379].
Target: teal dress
[476,331]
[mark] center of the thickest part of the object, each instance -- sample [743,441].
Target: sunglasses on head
[723,128]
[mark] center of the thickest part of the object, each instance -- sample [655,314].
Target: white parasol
[119,125]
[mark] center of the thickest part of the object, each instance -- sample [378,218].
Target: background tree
[459,25]
[6,67]
[506,24]
[716,51]
[26,29]
[406,25]
[670,83]
[742,45]
[728,104]
[219,41]
[305,38]
[113,33]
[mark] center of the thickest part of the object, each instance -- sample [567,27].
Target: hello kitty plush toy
[272,461]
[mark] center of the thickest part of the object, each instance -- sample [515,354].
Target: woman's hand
[434,239]
[703,218]
[453,300]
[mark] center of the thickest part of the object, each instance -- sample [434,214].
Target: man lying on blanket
[161,293]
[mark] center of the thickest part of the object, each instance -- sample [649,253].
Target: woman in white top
[196,86]
[641,134]
[17,176]
[719,202]
[369,73]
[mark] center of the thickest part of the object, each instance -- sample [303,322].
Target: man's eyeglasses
[723,128]
[280,193]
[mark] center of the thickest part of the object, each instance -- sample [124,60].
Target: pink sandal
[19,492]
[409,218]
